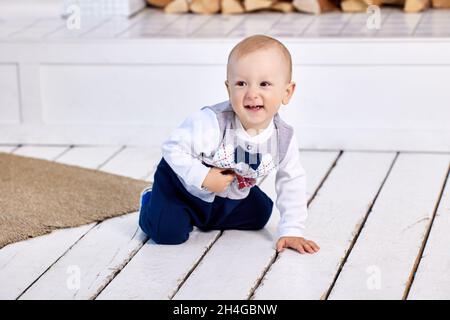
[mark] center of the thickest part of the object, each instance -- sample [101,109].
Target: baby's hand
[218,179]
[298,243]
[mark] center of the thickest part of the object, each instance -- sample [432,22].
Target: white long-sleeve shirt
[198,139]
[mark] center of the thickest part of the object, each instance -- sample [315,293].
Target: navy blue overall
[168,212]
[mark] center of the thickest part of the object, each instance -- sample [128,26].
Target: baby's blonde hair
[259,42]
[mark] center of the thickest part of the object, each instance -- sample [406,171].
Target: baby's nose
[252,97]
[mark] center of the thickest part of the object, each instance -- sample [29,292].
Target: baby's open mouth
[254,107]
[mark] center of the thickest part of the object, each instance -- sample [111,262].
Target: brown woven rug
[39,196]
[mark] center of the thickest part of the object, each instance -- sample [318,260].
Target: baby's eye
[266,84]
[240,83]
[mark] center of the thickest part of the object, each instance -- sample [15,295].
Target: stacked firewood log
[309,6]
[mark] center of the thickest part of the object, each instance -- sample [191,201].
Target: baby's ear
[289,92]
[293,85]
[228,88]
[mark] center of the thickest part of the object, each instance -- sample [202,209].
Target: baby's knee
[262,220]
[170,235]
[164,233]
[264,215]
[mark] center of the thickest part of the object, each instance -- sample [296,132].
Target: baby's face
[257,84]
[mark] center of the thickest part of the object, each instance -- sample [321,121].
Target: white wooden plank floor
[334,218]
[380,218]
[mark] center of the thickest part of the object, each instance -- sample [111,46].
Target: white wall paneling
[9,94]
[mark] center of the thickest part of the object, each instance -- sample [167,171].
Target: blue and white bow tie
[252,159]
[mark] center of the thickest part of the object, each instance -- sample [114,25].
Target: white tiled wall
[151,23]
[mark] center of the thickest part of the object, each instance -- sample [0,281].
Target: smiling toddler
[213,162]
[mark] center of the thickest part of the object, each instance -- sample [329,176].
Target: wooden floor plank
[140,162]
[316,164]
[432,279]
[156,271]
[88,266]
[381,262]
[241,257]
[103,251]
[7,149]
[41,152]
[335,215]
[23,262]
[89,157]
